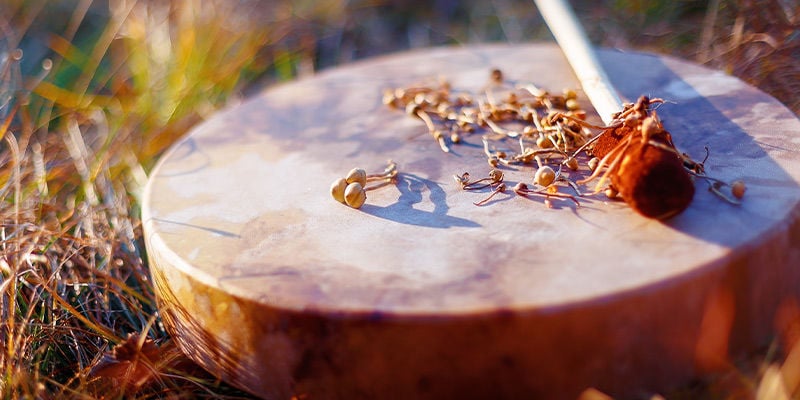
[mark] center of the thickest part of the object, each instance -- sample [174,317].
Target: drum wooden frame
[273,286]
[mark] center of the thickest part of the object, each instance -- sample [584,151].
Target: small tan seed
[544,142]
[355,195]
[544,176]
[572,163]
[572,105]
[337,189]
[357,175]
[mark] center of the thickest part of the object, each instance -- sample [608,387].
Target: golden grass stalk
[87,127]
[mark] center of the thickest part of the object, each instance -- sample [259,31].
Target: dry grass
[761,46]
[80,132]
[121,83]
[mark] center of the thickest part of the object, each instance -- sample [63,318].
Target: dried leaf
[131,365]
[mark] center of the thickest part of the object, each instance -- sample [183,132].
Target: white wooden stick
[576,47]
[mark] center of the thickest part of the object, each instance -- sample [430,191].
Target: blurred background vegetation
[93,91]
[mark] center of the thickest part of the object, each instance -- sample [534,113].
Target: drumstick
[576,47]
[641,180]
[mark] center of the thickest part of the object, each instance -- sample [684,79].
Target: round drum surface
[270,283]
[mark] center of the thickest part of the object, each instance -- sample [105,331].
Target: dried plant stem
[500,188]
[522,190]
[9,295]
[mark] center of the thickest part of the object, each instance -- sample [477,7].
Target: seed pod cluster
[352,189]
[645,168]
[522,125]
[652,180]
[537,121]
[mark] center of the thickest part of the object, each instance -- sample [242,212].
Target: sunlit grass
[83,124]
[81,131]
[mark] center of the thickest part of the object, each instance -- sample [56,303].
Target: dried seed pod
[579,114]
[357,175]
[412,108]
[652,180]
[572,163]
[593,163]
[496,76]
[496,175]
[544,176]
[337,189]
[737,189]
[572,105]
[389,99]
[422,100]
[609,139]
[355,195]
[462,180]
[544,142]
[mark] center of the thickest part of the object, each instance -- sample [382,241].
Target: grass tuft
[81,129]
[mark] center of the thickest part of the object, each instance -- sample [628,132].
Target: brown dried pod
[355,195]
[652,180]
[609,139]
[357,175]
[627,123]
[496,76]
[644,166]
[737,189]
[337,189]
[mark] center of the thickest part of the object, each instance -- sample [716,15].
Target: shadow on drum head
[411,188]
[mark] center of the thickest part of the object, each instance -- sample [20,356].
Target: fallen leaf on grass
[136,364]
[130,365]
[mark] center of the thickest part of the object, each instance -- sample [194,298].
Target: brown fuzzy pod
[653,181]
[609,139]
